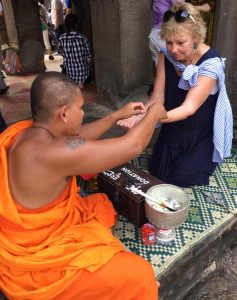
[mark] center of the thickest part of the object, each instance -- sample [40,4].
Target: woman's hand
[130,122]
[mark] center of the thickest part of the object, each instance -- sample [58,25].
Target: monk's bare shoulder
[73,143]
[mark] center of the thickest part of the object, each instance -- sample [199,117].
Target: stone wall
[120,39]
[3,30]
[29,35]
[225,41]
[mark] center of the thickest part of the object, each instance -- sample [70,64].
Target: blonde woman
[197,134]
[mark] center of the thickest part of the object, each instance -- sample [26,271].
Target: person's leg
[59,31]
[103,208]
[125,276]
[47,44]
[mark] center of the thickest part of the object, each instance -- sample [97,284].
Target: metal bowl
[167,219]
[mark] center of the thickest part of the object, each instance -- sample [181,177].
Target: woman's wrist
[168,119]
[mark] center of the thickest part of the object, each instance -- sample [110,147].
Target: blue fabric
[184,151]
[223,118]
[68,3]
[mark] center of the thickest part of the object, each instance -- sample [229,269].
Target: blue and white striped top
[223,118]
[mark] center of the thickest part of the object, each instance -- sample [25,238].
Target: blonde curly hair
[196,29]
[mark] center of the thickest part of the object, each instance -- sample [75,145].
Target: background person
[44,24]
[77,7]
[47,5]
[55,244]
[190,82]
[75,49]
[57,16]
[68,7]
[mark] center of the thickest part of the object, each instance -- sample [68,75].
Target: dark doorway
[208,17]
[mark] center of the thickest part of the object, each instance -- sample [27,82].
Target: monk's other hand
[131,109]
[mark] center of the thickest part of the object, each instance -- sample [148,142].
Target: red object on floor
[88,176]
[148,232]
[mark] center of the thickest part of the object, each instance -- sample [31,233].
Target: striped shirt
[223,118]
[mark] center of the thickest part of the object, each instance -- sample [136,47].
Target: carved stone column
[10,24]
[120,30]
[225,41]
[23,27]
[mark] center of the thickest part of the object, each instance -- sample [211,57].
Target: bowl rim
[169,212]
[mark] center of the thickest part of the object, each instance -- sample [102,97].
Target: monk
[54,244]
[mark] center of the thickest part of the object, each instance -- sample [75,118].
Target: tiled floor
[15,104]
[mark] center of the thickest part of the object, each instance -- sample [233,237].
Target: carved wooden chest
[116,183]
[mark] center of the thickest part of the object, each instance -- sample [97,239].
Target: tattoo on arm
[73,143]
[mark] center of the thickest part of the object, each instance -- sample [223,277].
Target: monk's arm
[157,95]
[95,129]
[78,156]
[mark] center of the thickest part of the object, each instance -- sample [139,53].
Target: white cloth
[223,118]
[155,44]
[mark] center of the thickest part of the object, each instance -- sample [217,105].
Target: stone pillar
[120,30]
[10,24]
[225,42]
[23,27]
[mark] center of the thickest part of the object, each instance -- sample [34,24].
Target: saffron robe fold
[54,251]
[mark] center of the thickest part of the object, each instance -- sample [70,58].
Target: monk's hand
[131,109]
[135,112]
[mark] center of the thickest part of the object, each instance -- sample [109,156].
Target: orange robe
[65,250]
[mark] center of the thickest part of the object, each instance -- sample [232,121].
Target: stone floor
[15,104]
[222,284]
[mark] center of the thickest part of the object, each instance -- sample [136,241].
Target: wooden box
[116,183]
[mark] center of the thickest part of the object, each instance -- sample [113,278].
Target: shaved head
[49,91]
